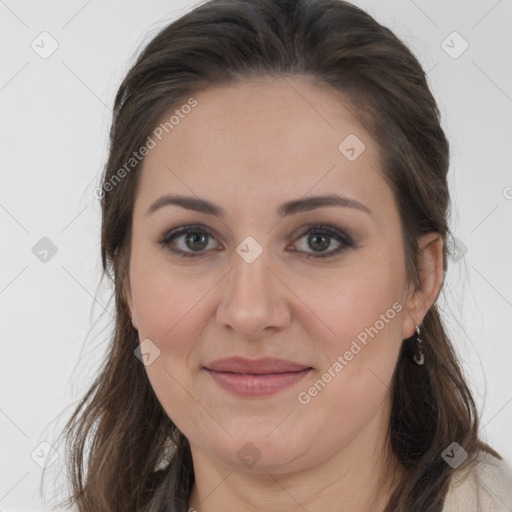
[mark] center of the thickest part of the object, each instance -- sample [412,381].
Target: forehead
[264,139]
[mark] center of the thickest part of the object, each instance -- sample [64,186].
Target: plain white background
[55,114]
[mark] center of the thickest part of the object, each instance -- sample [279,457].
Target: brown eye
[188,241]
[197,240]
[319,238]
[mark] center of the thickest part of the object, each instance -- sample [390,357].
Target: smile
[256,377]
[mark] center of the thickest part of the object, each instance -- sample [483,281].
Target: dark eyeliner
[166,240]
[345,240]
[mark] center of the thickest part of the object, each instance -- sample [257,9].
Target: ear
[431,275]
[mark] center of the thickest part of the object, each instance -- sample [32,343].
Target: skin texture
[249,148]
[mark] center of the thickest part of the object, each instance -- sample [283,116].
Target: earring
[419,357]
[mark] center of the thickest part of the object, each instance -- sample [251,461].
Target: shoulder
[484,487]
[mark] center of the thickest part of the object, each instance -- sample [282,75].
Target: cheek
[361,304]
[356,379]
[170,313]
[170,309]
[352,314]
[368,314]
[165,299]
[364,315]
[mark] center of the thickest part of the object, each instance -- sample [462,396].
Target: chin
[262,448]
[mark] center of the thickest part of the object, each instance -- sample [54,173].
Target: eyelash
[346,242]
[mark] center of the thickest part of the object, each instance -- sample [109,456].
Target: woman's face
[275,273]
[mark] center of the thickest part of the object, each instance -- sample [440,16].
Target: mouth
[259,377]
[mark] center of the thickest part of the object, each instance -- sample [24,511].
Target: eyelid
[345,240]
[323,227]
[179,231]
[342,236]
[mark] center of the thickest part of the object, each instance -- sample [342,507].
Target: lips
[255,366]
[256,378]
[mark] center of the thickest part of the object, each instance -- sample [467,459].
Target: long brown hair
[119,433]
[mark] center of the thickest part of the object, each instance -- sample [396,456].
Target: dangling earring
[419,357]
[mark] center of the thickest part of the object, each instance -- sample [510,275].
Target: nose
[254,299]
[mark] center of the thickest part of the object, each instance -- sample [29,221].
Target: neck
[359,477]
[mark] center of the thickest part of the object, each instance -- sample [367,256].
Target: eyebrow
[289,208]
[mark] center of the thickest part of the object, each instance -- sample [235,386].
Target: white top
[486,487]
